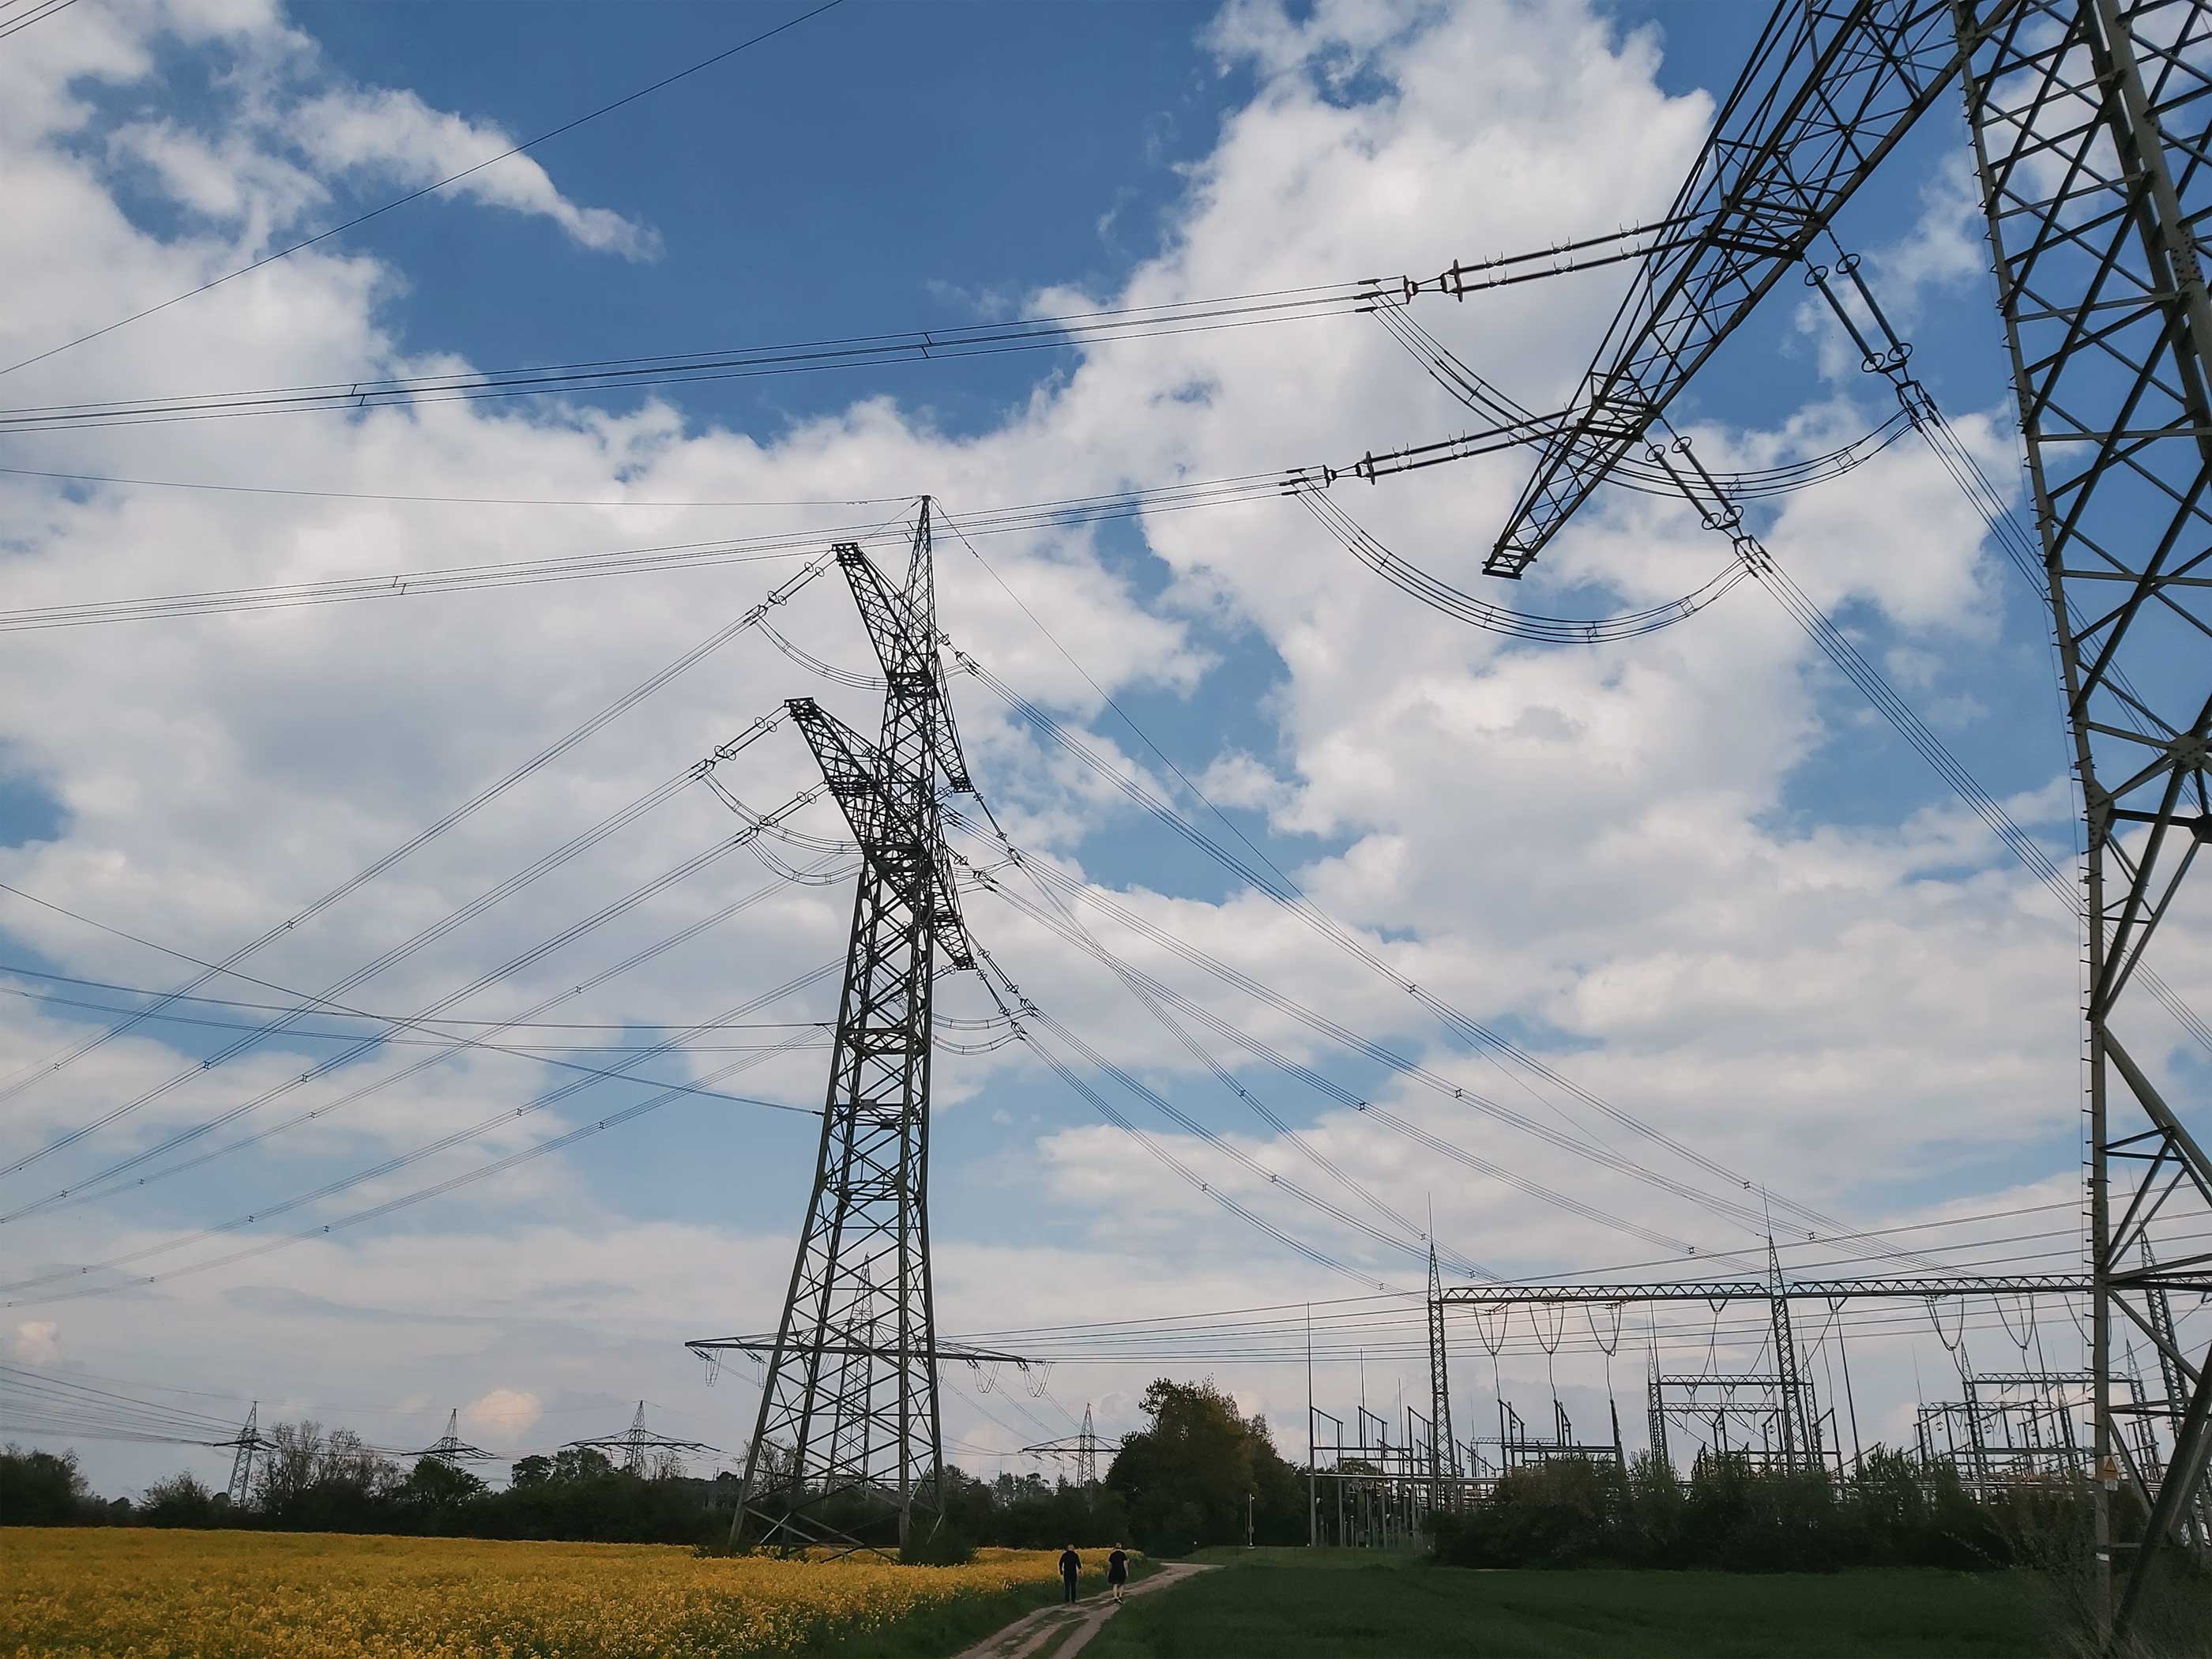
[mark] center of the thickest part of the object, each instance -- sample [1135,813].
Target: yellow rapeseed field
[136,1593]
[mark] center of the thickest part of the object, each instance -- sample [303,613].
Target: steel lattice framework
[848,1436]
[2091,131]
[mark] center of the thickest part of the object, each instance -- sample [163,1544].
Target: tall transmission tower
[848,1436]
[1443,1452]
[2090,121]
[248,1443]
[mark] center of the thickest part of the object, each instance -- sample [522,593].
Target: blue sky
[1695,871]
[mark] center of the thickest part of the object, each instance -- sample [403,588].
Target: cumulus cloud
[391,134]
[506,1413]
[37,1342]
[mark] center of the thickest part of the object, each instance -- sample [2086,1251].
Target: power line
[39,15]
[26,1077]
[1065,332]
[431,188]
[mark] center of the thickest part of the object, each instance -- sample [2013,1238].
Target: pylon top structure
[450,1448]
[638,1444]
[848,1441]
[2090,122]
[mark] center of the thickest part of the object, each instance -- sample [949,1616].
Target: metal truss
[1719,1290]
[848,1440]
[2092,129]
[248,1443]
[1445,1459]
[1779,1427]
[1832,85]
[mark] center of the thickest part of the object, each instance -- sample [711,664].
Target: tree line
[1185,1481]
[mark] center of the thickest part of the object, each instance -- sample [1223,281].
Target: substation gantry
[2091,126]
[1379,1490]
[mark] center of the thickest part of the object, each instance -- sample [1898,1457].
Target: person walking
[1117,1572]
[1070,1569]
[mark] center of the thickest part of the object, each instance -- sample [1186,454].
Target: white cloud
[37,1342]
[506,1413]
[393,135]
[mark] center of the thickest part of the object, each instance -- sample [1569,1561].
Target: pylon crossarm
[1830,88]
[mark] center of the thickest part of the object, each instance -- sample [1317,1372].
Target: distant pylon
[450,1448]
[249,1442]
[1082,1446]
[638,1444]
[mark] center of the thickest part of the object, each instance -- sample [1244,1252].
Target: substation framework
[2091,129]
[2009,1426]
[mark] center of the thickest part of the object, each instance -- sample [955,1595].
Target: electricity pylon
[638,1444]
[1443,1452]
[451,1450]
[1082,1446]
[249,1442]
[2090,122]
[851,1396]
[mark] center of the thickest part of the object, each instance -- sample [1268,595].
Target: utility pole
[1313,1475]
[863,1259]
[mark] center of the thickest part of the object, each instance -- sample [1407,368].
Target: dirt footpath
[1070,1625]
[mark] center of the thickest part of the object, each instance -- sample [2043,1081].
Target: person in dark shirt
[1117,1572]
[1070,1569]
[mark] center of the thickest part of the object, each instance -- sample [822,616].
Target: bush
[181,1501]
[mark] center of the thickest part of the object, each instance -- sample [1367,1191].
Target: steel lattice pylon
[248,1443]
[1443,1451]
[2093,136]
[848,1440]
[2091,124]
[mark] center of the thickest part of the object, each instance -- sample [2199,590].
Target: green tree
[182,1500]
[1187,1476]
[534,1470]
[38,1489]
[434,1484]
